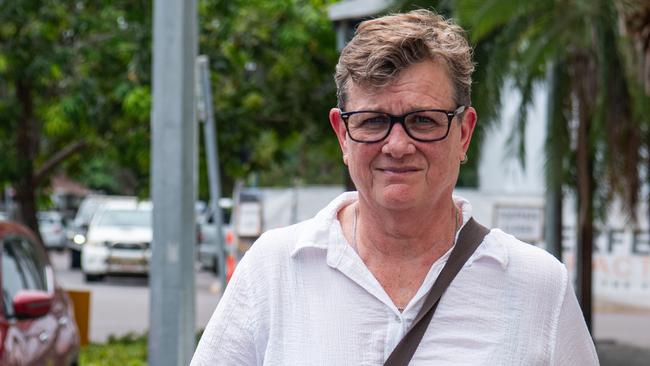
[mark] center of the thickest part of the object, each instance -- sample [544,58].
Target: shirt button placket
[395,331]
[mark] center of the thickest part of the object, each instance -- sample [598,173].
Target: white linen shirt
[302,296]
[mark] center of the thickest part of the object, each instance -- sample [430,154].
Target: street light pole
[173,183]
[212,158]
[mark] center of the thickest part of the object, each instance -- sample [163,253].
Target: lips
[399,169]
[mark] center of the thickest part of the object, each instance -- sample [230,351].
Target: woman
[344,287]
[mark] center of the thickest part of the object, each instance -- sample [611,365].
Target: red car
[37,325]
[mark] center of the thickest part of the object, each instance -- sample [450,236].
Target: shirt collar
[324,231]
[321,231]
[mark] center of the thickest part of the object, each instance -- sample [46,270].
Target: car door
[28,341]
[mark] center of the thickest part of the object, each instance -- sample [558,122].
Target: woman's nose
[398,143]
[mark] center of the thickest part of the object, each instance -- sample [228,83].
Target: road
[622,328]
[120,305]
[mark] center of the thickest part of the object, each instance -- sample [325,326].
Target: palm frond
[486,16]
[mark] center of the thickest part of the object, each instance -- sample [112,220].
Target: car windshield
[87,209]
[130,218]
[47,219]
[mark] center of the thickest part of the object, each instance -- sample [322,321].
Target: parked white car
[78,228]
[118,240]
[50,224]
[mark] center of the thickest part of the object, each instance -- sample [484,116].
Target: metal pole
[212,152]
[9,204]
[174,137]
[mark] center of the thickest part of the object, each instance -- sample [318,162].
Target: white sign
[249,221]
[526,223]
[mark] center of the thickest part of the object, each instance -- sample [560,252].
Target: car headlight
[79,239]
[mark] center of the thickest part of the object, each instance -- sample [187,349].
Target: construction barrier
[81,305]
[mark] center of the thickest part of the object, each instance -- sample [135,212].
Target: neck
[419,234]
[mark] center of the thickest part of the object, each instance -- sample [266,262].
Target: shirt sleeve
[573,343]
[228,338]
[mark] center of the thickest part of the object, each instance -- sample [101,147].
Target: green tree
[272,65]
[573,48]
[634,18]
[73,77]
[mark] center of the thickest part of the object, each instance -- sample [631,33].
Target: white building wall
[500,170]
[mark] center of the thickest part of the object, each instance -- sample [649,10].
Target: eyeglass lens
[424,125]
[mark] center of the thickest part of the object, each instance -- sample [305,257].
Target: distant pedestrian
[351,286]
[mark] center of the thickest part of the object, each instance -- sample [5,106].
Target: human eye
[426,120]
[423,119]
[370,121]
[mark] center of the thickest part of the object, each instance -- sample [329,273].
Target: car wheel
[93,277]
[75,262]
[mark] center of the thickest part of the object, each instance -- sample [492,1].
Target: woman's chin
[399,197]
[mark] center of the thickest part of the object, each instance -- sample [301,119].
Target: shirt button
[398,319]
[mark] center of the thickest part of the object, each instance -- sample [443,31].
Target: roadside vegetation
[129,350]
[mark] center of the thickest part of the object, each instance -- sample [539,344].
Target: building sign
[621,266]
[525,222]
[249,220]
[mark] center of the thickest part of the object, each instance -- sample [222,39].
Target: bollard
[81,305]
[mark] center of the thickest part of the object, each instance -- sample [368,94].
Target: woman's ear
[467,126]
[339,129]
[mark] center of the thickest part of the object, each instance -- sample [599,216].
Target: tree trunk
[26,202]
[557,142]
[27,147]
[584,156]
[585,233]
[554,221]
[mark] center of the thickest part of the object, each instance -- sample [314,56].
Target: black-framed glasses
[425,125]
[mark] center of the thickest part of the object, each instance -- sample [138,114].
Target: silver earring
[464,159]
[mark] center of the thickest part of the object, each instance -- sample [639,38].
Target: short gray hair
[383,47]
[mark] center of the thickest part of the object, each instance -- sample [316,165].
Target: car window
[46,221]
[86,211]
[12,277]
[226,213]
[134,218]
[33,262]
[23,268]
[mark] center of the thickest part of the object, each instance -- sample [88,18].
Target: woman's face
[398,172]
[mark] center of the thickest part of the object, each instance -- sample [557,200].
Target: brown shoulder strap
[469,238]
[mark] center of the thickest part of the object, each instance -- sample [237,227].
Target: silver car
[52,229]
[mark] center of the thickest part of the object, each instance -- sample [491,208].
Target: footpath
[616,354]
